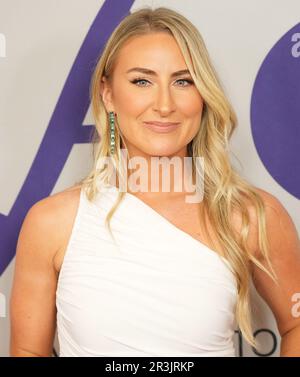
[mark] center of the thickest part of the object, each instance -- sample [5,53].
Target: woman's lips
[161,127]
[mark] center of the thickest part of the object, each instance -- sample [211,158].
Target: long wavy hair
[225,191]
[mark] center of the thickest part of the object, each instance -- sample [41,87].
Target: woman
[148,273]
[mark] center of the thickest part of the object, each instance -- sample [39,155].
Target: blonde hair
[225,191]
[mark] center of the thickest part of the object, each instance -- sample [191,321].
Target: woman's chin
[161,152]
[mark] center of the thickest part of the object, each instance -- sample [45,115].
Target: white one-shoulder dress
[153,291]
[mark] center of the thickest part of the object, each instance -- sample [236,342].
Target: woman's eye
[136,81]
[186,80]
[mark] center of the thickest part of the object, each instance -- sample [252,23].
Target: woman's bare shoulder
[273,206]
[56,214]
[275,215]
[58,206]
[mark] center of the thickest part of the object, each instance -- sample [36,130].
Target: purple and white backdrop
[47,52]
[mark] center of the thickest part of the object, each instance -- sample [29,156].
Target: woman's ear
[106,94]
[102,85]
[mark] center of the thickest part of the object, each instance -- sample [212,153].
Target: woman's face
[139,97]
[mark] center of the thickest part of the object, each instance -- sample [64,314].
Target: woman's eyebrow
[153,73]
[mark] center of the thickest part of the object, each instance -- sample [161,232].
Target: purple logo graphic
[65,127]
[275,112]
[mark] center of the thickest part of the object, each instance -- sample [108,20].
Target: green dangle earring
[112,132]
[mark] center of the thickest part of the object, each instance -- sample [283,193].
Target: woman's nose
[164,100]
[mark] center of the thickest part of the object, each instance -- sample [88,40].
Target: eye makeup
[138,79]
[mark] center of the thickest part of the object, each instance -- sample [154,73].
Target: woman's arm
[285,257]
[32,303]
